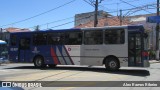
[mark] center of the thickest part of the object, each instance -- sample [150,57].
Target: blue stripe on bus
[60,50]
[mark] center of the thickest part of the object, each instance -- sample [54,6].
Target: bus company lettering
[92,49]
[14,49]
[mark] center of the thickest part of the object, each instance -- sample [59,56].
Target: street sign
[153,19]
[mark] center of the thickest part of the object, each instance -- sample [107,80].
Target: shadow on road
[132,72]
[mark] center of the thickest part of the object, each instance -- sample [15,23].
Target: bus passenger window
[93,37]
[56,38]
[40,39]
[114,37]
[73,38]
[24,43]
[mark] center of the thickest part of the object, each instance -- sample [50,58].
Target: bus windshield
[3,49]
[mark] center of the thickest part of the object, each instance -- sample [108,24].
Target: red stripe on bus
[54,56]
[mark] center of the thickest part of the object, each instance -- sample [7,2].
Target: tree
[37,28]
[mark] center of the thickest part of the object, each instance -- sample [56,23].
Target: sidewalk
[154,61]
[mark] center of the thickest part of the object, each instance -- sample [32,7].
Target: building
[150,28]
[110,21]
[89,16]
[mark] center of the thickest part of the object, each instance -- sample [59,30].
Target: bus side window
[73,38]
[13,39]
[114,37]
[39,39]
[52,39]
[56,38]
[25,43]
[93,37]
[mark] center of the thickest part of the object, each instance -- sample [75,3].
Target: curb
[153,61]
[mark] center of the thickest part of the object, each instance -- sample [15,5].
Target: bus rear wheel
[39,62]
[112,64]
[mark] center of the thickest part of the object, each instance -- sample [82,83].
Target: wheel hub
[112,64]
[38,62]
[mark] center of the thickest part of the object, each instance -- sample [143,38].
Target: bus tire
[112,64]
[52,65]
[39,62]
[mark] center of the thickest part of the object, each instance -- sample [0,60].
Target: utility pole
[120,17]
[95,15]
[157,33]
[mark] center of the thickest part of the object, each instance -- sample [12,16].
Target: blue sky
[17,10]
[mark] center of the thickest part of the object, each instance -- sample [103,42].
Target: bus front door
[24,50]
[134,50]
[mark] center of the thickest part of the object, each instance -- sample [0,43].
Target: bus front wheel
[39,62]
[112,64]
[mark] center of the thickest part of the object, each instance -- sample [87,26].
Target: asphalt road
[27,72]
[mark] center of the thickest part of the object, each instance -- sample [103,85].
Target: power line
[92,1]
[40,13]
[84,17]
[144,7]
[70,22]
[53,22]
[134,6]
[121,2]
[108,12]
[106,8]
[139,7]
[100,1]
[79,19]
[62,24]
[89,3]
[88,17]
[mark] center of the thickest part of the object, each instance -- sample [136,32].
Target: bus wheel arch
[111,62]
[38,61]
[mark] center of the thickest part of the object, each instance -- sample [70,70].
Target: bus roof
[48,30]
[124,26]
[136,29]
[131,28]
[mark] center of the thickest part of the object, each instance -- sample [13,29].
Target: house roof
[110,21]
[12,29]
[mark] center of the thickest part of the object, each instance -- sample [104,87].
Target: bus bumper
[146,63]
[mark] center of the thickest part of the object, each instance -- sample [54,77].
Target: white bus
[114,47]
